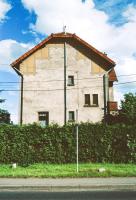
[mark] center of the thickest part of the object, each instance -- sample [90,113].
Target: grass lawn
[69,170]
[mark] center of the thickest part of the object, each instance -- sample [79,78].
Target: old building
[62,75]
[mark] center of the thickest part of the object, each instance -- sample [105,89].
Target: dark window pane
[43,118]
[70,80]
[71,116]
[95,99]
[87,99]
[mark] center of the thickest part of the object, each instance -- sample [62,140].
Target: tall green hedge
[54,144]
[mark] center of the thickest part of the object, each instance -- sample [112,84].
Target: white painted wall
[49,76]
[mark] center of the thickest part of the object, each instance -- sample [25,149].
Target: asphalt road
[98,195]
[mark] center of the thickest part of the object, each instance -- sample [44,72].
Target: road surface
[89,195]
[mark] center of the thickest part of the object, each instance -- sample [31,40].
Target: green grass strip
[68,170]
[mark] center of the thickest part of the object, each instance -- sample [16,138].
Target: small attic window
[70,80]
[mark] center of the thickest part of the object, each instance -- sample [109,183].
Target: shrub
[29,144]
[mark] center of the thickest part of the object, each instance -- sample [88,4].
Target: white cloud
[79,17]
[130,13]
[128,66]
[91,25]
[4,8]
[86,21]
[9,51]
[118,95]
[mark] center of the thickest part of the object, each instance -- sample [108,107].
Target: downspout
[104,95]
[106,91]
[65,93]
[21,95]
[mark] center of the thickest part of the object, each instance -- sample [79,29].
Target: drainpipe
[106,91]
[21,95]
[104,94]
[65,92]
[65,97]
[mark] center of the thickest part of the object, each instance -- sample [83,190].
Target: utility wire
[91,78]
[57,89]
[125,83]
[5,85]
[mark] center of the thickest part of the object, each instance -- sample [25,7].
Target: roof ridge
[61,35]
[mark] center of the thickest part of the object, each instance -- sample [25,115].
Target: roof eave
[62,35]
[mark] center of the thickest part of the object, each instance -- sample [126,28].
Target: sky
[108,25]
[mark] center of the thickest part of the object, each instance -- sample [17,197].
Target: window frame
[73,116]
[44,114]
[71,78]
[87,99]
[97,99]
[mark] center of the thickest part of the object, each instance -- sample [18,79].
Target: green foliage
[29,144]
[3,111]
[128,108]
[127,112]
[2,100]
[4,114]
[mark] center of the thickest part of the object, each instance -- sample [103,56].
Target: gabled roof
[63,35]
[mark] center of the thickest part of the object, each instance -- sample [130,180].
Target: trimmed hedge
[29,144]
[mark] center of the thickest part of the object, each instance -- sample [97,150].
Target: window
[70,80]
[95,99]
[71,116]
[87,99]
[43,118]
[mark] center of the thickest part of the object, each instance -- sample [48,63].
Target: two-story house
[62,75]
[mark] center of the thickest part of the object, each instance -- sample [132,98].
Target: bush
[29,144]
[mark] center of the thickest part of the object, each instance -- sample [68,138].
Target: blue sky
[17,25]
[114,9]
[108,25]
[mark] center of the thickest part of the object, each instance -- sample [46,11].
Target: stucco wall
[43,84]
[111,94]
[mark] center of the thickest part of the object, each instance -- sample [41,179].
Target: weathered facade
[42,71]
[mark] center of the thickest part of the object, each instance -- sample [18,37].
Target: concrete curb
[69,188]
[82,184]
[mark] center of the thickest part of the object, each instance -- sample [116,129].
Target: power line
[125,83]
[42,90]
[91,78]
[127,75]
[48,80]
[57,89]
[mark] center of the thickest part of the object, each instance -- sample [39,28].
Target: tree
[4,114]
[127,112]
[128,108]
[2,100]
